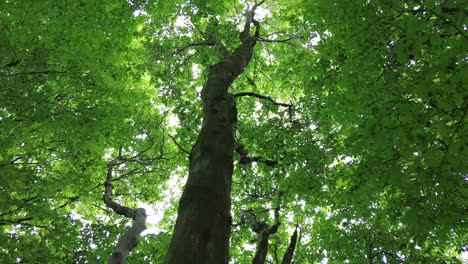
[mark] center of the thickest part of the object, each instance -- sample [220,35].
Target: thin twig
[179,146]
[446,20]
[261,97]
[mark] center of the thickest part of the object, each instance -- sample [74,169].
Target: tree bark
[262,246]
[202,229]
[288,255]
[128,241]
[264,231]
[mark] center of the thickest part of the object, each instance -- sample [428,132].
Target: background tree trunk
[289,254]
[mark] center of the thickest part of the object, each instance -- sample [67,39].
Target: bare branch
[286,40]
[179,146]
[12,161]
[128,240]
[246,159]
[261,97]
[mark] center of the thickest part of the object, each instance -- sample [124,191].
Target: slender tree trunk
[129,240]
[264,231]
[202,229]
[289,254]
[262,247]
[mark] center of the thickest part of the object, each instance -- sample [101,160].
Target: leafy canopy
[371,153]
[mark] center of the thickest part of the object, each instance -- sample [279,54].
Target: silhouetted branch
[261,97]
[249,19]
[179,146]
[184,48]
[70,200]
[35,73]
[446,20]
[16,221]
[12,161]
[211,38]
[246,159]
[286,40]
[128,240]
[288,255]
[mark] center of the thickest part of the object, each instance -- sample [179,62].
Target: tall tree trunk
[201,233]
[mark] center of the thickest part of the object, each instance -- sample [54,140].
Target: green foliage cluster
[371,156]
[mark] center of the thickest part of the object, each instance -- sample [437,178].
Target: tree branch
[249,18]
[252,94]
[288,255]
[446,20]
[274,228]
[179,146]
[12,161]
[35,73]
[286,40]
[15,222]
[128,240]
[213,39]
[246,159]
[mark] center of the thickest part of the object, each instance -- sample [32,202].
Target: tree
[313,131]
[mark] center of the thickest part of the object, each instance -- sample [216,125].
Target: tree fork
[264,231]
[202,229]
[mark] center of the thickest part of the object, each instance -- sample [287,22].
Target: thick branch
[245,35]
[128,240]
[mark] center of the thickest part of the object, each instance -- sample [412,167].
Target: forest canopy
[277,131]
